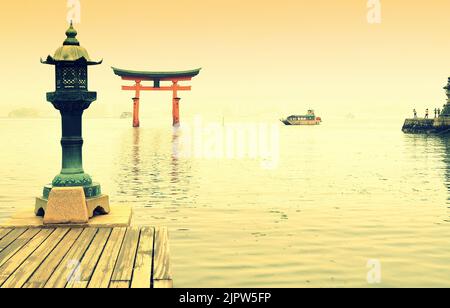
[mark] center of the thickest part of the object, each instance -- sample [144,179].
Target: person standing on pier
[435,113]
[415,113]
[427,113]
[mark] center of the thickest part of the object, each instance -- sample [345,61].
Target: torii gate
[156,77]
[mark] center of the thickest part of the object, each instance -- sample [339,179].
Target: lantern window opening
[71,76]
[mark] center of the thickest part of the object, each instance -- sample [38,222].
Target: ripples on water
[343,193]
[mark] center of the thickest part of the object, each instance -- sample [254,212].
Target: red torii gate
[156,77]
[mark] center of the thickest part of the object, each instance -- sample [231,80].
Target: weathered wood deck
[85,258]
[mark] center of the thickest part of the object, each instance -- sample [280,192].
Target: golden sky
[277,57]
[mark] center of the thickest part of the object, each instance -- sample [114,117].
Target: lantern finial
[71,34]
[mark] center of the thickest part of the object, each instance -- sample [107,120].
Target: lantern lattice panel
[82,77]
[71,77]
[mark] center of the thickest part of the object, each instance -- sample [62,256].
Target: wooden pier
[85,258]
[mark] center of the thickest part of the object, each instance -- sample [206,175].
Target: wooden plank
[14,262]
[21,275]
[70,267]
[78,285]
[123,271]
[142,274]
[118,258]
[31,286]
[53,260]
[119,285]
[105,267]
[4,232]
[90,259]
[163,284]
[11,237]
[21,241]
[162,269]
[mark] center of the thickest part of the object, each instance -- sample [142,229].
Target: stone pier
[438,125]
[427,126]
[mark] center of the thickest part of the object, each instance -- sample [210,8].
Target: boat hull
[301,123]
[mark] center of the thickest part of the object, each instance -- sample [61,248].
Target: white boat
[309,119]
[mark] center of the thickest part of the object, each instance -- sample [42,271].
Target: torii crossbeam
[157,77]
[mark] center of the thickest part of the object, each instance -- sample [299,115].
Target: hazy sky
[258,57]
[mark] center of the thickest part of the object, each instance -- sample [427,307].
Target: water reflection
[176,148]
[446,158]
[433,152]
[136,153]
[150,172]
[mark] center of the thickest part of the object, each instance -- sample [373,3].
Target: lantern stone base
[70,206]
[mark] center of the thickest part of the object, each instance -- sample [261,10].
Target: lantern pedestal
[70,206]
[72,182]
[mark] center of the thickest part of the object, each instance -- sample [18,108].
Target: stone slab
[120,216]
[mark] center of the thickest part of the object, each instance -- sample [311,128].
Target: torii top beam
[162,76]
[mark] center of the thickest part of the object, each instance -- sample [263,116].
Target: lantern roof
[71,51]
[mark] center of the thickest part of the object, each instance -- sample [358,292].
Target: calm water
[342,194]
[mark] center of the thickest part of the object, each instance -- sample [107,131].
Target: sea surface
[351,203]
